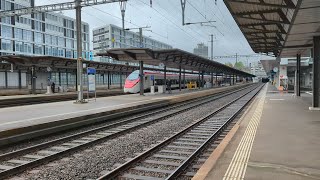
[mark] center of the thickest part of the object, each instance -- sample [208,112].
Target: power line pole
[236,57]
[79,53]
[211,46]
[123,12]
[183,6]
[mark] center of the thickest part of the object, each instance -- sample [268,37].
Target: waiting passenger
[53,87]
[169,86]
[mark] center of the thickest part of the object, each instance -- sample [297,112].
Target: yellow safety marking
[237,167]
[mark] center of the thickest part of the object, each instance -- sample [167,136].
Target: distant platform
[29,99]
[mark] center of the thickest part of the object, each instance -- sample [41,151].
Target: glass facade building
[111,36]
[47,34]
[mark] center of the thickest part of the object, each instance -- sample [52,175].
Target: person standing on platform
[169,86]
[53,86]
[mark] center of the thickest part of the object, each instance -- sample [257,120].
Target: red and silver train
[132,83]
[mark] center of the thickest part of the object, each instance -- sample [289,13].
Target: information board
[91,72]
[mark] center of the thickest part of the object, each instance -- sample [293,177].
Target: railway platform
[19,100]
[18,123]
[276,138]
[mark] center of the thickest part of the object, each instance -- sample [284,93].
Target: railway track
[172,157]
[14,162]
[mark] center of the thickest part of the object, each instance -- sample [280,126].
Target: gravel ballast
[91,162]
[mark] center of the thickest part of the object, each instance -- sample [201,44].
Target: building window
[38,26]
[19,46]
[38,49]
[48,51]
[55,52]
[48,39]
[61,52]
[6,20]
[61,42]
[38,38]
[54,40]
[27,35]
[69,53]
[69,43]
[6,45]
[6,31]
[18,33]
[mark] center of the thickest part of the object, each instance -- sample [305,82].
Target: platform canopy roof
[172,58]
[22,62]
[279,27]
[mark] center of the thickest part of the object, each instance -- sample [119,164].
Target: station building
[112,36]
[41,34]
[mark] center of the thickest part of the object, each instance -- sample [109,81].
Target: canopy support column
[20,79]
[316,72]
[59,77]
[298,75]
[184,78]
[233,79]
[217,79]
[165,79]
[108,79]
[6,78]
[141,78]
[120,74]
[212,79]
[33,79]
[180,78]
[199,79]
[202,79]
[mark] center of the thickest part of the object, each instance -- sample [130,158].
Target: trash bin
[152,89]
[60,89]
[161,89]
[49,90]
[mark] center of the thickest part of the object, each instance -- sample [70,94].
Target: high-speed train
[132,83]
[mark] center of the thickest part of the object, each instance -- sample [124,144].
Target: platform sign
[91,72]
[91,79]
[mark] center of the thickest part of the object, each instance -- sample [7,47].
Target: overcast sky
[165,19]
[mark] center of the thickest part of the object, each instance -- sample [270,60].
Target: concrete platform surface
[277,139]
[13,117]
[11,97]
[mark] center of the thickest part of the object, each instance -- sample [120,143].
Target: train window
[133,76]
[159,81]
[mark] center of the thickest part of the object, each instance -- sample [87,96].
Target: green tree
[239,65]
[229,64]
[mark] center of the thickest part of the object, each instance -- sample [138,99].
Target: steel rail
[114,173]
[119,123]
[186,163]
[51,157]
